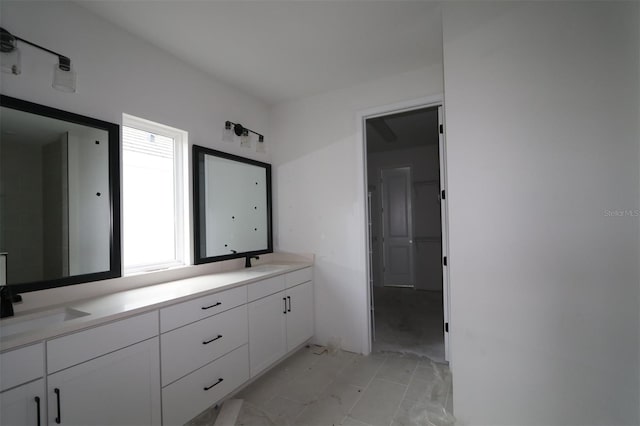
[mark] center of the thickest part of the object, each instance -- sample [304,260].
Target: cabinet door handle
[285,305]
[37,399]
[59,418]
[289,298]
[212,306]
[206,342]
[215,384]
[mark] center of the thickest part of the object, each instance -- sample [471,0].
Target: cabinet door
[267,331]
[300,317]
[18,407]
[120,388]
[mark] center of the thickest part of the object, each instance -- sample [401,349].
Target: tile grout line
[404,394]
[364,389]
[285,383]
[323,389]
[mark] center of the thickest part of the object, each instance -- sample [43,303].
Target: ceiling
[403,130]
[283,50]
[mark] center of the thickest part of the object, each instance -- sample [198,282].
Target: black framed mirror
[59,196]
[231,206]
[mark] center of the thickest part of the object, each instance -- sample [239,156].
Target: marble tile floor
[342,388]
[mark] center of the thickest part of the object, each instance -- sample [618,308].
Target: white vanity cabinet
[164,366]
[22,393]
[204,353]
[23,405]
[281,317]
[299,315]
[107,375]
[267,331]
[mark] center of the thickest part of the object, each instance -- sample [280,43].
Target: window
[153,196]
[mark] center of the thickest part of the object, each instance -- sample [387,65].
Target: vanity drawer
[82,346]
[186,398]
[298,277]
[187,312]
[263,288]
[183,350]
[21,365]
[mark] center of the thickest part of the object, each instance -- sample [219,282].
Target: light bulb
[245,142]
[10,61]
[227,134]
[64,79]
[260,144]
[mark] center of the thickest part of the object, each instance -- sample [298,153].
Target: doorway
[404,157]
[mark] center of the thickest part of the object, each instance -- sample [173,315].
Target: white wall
[119,73]
[319,194]
[542,132]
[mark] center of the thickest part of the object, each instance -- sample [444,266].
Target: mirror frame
[198,200]
[113,130]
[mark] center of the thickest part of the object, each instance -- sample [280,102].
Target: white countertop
[123,304]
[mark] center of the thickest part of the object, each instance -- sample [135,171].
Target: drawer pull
[212,306]
[285,305]
[37,399]
[215,384]
[206,342]
[59,418]
[289,299]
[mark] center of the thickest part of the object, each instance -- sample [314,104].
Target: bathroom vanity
[155,355]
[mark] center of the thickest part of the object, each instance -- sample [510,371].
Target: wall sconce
[238,129]
[64,77]
[260,145]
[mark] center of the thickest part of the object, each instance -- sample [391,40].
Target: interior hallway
[409,321]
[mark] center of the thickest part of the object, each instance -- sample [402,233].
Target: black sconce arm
[7,46]
[239,129]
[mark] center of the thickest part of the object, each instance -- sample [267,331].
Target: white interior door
[445,232]
[397,227]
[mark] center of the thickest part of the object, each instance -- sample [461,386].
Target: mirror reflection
[233,206]
[55,206]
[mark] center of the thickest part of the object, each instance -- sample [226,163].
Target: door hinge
[446,327]
[443,195]
[441,129]
[444,261]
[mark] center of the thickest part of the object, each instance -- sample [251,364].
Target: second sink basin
[11,326]
[269,267]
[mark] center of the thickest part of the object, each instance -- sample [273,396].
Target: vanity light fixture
[231,128]
[260,144]
[64,77]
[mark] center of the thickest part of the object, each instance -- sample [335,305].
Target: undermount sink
[269,268]
[11,326]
